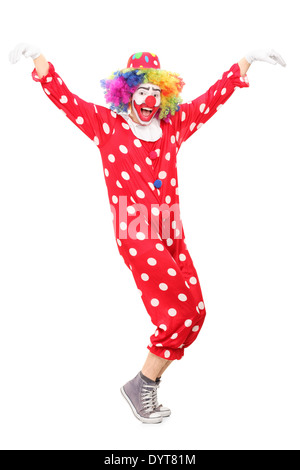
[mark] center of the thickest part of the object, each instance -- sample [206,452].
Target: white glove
[268,55]
[24,49]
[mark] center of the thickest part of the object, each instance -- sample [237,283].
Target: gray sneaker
[163,410]
[140,397]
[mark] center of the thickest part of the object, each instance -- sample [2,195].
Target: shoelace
[148,394]
[155,400]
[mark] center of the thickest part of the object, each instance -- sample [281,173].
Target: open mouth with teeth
[144,113]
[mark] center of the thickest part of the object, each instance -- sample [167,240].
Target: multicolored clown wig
[143,67]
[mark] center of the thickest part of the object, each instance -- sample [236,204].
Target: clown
[139,135]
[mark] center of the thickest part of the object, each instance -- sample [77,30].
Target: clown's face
[146,102]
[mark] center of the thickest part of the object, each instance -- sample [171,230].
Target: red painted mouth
[144,112]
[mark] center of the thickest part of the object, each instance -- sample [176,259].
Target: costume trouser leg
[171,292]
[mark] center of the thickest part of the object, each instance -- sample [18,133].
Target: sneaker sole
[140,418]
[165,414]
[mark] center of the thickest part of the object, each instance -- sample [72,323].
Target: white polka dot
[155,62]
[119,184]
[131,210]
[201,306]
[111,158]
[196,328]
[151,186]
[177,135]
[197,309]
[80,120]
[133,251]
[123,149]
[155,211]
[173,181]
[49,79]
[46,91]
[200,125]
[162,175]
[172,312]
[151,261]
[148,161]
[162,327]
[114,115]
[168,199]
[223,91]
[114,199]
[173,140]
[145,277]
[182,257]
[159,247]
[219,107]
[170,242]
[229,75]
[183,116]
[168,156]
[207,111]
[172,272]
[192,126]
[106,128]
[140,194]
[202,107]
[106,172]
[182,297]
[159,345]
[137,168]
[163,286]
[125,126]
[174,336]
[123,226]
[156,333]
[167,354]
[193,280]
[137,143]
[96,140]
[188,323]
[63,99]
[155,302]
[125,175]
[59,80]
[119,242]
[186,283]
[140,236]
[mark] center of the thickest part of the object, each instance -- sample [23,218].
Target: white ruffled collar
[150,133]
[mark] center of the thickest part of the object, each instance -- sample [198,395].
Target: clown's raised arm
[93,120]
[193,115]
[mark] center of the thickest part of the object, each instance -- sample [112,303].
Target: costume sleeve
[193,115]
[95,121]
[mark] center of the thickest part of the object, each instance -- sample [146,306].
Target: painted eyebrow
[144,88]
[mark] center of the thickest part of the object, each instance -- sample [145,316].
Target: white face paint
[146,102]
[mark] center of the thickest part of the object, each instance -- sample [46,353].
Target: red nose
[150,101]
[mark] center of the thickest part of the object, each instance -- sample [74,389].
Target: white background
[73,328]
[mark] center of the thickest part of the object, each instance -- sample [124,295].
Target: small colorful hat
[143,67]
[143,60]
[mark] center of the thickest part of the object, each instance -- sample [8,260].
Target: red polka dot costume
[142,184]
